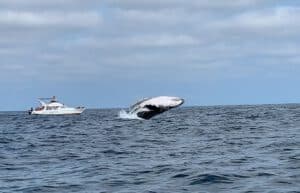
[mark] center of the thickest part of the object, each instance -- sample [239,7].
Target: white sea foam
[125,115]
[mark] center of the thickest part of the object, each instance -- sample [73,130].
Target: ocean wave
[126,115]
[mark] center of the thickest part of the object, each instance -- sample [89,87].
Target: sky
[111,53]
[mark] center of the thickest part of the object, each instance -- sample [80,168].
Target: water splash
[126,115]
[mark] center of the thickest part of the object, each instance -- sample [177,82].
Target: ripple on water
[209,179]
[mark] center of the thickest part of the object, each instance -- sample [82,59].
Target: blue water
[191,149]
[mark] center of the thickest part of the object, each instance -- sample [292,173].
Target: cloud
[87,39]
[48,5]
[186,4]
[278,20]
[138,41]
[149,16]
[164,40]
[48,19]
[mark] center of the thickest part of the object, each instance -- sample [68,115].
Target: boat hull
[65,111]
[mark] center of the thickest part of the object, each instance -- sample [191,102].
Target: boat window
[52,108]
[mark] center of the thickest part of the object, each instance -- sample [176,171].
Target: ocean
[189,149]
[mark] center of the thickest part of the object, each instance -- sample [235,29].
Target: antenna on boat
[52,99]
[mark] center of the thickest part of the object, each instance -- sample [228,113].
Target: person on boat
[30,111]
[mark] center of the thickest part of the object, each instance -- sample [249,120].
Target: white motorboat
[53,107]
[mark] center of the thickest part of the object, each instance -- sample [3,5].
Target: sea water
[188,149]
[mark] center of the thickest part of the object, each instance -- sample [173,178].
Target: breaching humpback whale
[149,107]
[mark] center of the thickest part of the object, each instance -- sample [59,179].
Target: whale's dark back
[152,111]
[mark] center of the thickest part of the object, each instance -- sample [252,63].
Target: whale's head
[174,101]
